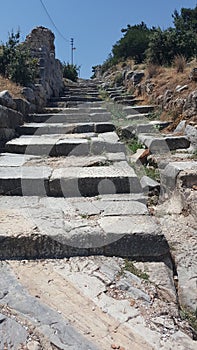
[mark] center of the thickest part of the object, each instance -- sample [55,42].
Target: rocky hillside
[173,90]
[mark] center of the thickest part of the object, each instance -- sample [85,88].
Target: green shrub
[16,62]
[70,71]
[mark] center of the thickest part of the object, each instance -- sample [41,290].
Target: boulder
[191,133]
[9,118]
[129,75]
[149,185]
[180,127]
[22,106]
[193,74]
[137,77]
[7,100]
[180,88]
[190,107]
[29,94]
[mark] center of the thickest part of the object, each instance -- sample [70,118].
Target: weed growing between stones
[103,94]
[191,318]
[129,266]
[142,170]
[156,115]
[133,145]
[194,155]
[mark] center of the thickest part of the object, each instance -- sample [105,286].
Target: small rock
[181,88]
[33,345]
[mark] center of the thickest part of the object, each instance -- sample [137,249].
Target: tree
[133,44]
[16,62]
[186,20]
[181,40]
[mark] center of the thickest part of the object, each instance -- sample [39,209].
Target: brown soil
[14,89]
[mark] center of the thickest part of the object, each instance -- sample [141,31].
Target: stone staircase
[74,154]
[72,211]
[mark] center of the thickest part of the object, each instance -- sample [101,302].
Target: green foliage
[181,40]
[165,45]
[155,45]
[70,71]
[194,155]
[186,20]
[129,266]
[133,145]
[191,318]
[133,44]
[16,62]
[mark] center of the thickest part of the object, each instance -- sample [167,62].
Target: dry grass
[14,89]
[180,63]
[168,79]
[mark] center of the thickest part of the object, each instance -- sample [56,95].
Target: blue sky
[94,25]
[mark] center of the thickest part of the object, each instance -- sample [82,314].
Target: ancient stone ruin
[94,253]
[40,42]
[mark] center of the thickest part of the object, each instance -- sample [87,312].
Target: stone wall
[49,83]
[40,42]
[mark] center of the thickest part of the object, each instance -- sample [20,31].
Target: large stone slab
[64,145]
[138,109]
[61,128]
[163,144]
[94,181]
[171,171]
[72,117]
[14,159]
[51,227]
[29,181]
[34,145]
[10,118]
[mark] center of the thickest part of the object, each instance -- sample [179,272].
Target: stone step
[59,227]
[138,109]
[119,98]
[79,92]
[70,117]
[68,182]
[17,160]
[137,117]
[130,102]
[152,127]
[100,104]
[83,108]
[75,98]
[64,145]
[163,144]
[61,128]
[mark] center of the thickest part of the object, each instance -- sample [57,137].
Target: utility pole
[72,49]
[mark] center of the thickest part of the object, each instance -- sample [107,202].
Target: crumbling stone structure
[40,42]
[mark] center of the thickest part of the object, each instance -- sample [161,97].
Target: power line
[53,23]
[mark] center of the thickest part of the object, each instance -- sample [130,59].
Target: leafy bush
[155,45]
[16,62]
[70,71]
[133,44]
